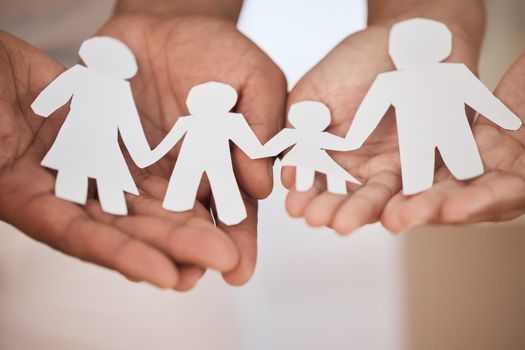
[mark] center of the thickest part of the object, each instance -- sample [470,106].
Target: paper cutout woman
[87,144]
[310,141]
[206,149]
[429,98]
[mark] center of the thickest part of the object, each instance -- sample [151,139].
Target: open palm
[168,250]
[341,80]
[176,53]
[497,195]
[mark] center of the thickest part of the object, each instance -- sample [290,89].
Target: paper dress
[310,142]
[429,99]
[101,106]
[206,149]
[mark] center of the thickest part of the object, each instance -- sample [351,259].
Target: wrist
[225,9]
[465,18]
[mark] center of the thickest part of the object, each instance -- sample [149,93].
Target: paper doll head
[108,56]
[311,115]
[419,41]
[211,98]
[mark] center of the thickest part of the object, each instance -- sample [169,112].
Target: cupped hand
[497,195]
[174,53]
[341,81]
[150,244]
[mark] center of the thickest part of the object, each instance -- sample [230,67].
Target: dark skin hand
[170,250]
[175,53]
[497,195]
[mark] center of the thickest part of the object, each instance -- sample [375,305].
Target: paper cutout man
[310,141]
[87,144]
[429,99]
[206,149]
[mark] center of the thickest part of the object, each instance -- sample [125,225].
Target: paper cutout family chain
[429,98]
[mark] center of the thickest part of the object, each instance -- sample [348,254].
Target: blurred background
[433,288]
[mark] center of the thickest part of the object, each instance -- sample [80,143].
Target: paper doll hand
[165,249]
[341,80]
[165,146]
[497,195]
[175,53]
[481,99]
[284,139]
[332,142]
[172,138]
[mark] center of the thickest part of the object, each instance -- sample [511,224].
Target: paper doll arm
[176,133]
[481,99]
[284,139]
[57,93]
[333,142]
[244,137]
[370,112]
[133,135]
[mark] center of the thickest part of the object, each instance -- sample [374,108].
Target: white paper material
[87,144]
[310,142]
[206,149]
[429,99]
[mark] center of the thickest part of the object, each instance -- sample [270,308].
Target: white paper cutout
[206,149]
[310,141]
[87,144]
[429,98]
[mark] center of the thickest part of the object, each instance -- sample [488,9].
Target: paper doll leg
[461,156]
[111,198]
[417,167]
[71,187]
[226,195]
[183,186]
[304,179]
[336,185]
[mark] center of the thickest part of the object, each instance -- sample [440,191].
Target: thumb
[262,102]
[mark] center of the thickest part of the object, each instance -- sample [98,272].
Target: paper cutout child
[87,144]
[206,149]
[310,142]
[429,99]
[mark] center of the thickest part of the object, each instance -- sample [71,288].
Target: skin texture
[498,195]
[175,53]
[341,80]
